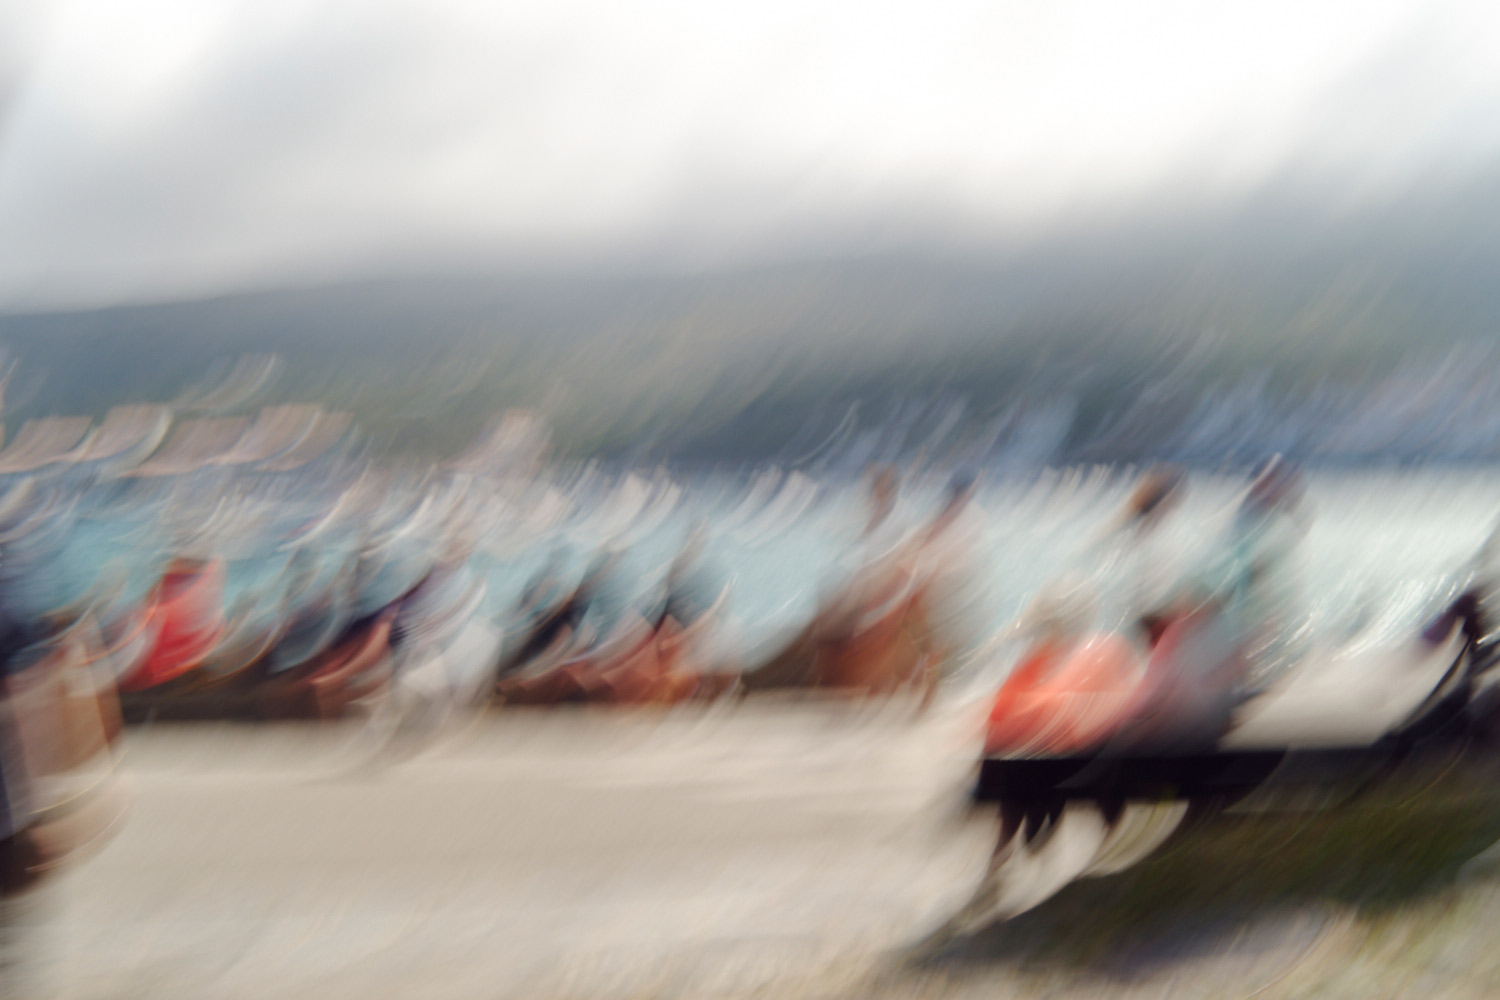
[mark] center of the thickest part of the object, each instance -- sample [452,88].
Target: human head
[1159,489]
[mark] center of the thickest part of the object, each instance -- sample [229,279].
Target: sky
[177,148]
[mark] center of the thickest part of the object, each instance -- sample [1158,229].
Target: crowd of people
[905,604]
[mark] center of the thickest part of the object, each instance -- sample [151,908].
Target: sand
[775,850]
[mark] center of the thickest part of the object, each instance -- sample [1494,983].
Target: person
[869,571]
[864,638]
[640,657]
[693,587]
[18,854]
[1127,580]
[951,554]
[58,741]
[1254,580]
[1142,551]
[544,590]
[692,614]
[551,613]
[609,613]
[592,630]
[1231,623]
[866,632]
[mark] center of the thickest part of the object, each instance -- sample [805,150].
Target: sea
[1383,548]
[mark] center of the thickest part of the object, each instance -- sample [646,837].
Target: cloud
[169,147]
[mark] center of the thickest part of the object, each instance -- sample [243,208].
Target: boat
[1098,753]
[1063,699]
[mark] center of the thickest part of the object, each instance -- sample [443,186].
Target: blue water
[1383,546]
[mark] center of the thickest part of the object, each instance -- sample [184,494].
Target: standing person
[883,537]
[1250,593]
[1141,548]
[549,612]
[1264,583]
[865,641]
[857,642]
[18,855]
[594,626]
[880,537]
[1233,625]
[861,575]
[951,560]
[693,613]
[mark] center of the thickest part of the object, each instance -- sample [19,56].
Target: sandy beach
[774,850]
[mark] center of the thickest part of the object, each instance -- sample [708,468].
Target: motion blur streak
[580,499]
[734,820]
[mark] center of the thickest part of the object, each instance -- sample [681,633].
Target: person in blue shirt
[1237,618]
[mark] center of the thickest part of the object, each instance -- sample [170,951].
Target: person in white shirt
[951,572]
[1138,556]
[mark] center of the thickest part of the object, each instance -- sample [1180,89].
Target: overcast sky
[157,148]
